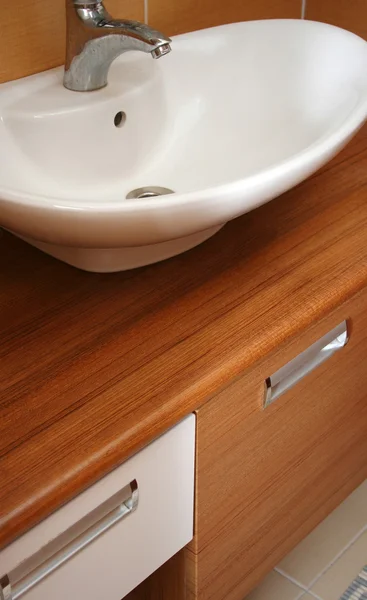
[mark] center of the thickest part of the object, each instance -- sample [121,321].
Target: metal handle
[304,363]
[41,564]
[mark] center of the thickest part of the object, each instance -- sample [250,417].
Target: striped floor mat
[358,589]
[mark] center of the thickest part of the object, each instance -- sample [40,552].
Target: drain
[148,192]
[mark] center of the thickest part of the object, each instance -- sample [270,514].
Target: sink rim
[327,142]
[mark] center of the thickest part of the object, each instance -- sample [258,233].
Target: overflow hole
[120,119]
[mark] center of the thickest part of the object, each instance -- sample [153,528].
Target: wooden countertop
[92,367]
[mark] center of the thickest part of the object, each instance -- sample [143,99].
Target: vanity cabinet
[265,477]
[94,368]
[111,537]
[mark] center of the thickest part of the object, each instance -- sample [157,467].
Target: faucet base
[100,54]
[110,260]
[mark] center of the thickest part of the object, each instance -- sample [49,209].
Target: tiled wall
[349,14]
[32,33]
[178,16]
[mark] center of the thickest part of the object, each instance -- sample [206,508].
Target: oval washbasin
[231,118]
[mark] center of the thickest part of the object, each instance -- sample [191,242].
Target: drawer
[111,537]
[277,451]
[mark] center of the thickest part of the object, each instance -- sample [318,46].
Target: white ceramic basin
[233,117]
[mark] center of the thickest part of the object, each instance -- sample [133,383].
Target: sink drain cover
[148,192]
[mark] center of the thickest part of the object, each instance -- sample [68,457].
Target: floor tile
[337,578]
[275,587]
[318,550]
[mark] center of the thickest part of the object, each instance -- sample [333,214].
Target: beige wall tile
[349,14]
[319,549]
[338,578]
[179,16]
[276,587]
[33,33]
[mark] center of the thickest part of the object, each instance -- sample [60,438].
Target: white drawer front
[129,550]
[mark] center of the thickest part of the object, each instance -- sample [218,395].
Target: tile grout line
[302,591]
[302,587]
[146,12]
[339,555]
[291,579]
[303,9]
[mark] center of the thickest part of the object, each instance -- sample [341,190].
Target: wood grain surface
[167,583]
[92,367]
[266,478]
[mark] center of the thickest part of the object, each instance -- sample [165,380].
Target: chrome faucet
[95,40]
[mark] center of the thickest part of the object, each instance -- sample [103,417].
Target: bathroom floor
[326,562]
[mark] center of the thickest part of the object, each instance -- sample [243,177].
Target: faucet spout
[95,40]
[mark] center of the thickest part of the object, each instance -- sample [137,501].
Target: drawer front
[106,541]
[267,475]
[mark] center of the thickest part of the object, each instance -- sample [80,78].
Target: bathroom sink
[231,118]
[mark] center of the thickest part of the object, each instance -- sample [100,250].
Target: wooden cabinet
[266,477]
[167,583]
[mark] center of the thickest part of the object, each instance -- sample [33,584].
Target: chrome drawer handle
[304,363]
[46,560]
